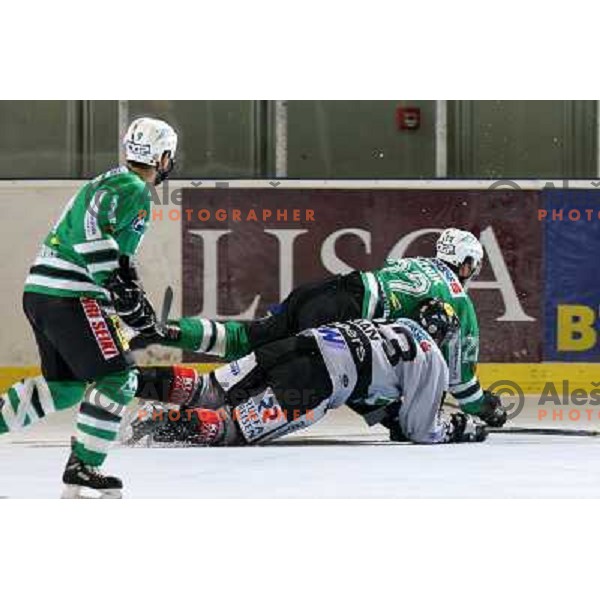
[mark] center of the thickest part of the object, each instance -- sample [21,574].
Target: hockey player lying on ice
[396,290]
[391,372]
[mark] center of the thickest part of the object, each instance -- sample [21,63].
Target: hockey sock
[226,340]
[30,400]
[100,415]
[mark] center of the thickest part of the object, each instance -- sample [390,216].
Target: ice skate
[193,427]
[85,482]
[148,419]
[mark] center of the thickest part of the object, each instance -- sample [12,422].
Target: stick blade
[546,431]
[166,305]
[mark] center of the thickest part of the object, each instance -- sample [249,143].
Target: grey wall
[359,139]
[217,138]
[535,138]
[326,139]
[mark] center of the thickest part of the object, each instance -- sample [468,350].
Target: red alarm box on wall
[408,118]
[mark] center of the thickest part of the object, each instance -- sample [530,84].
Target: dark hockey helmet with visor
[438,319]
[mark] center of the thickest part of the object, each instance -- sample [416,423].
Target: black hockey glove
[142,320]
[492,412]
[129,298]
[464,428]
[167,335]
[125,289]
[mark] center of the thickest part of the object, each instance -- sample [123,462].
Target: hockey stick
[547,431]
[166,306]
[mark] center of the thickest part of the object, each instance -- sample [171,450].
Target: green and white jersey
[397,290]
[106,218]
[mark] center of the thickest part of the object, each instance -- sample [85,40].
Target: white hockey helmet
[455,247]
[147,140]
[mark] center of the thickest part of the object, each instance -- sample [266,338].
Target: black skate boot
[199,427]
[192,427]
[149,419]
[79,477]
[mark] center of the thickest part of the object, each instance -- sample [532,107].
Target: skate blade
[77,492]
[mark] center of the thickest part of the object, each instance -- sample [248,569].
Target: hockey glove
[129,298]
[492,412]
[464,428]
[125,289]
[167,335]
[142,320]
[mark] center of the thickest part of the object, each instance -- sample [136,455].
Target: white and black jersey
[378,362]
[366,364]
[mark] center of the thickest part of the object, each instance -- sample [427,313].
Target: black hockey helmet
[438,319]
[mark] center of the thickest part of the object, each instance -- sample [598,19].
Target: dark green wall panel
[526,139]
[326,139]
[358,139]
[217,138]
[36,138]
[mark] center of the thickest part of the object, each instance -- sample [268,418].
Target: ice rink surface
[337,458]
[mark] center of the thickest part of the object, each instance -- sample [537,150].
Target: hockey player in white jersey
[391,372]
[395,290]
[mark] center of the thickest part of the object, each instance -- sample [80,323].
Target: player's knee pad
[120,387]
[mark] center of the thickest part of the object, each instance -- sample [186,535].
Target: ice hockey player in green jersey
[394,291]
[79,288]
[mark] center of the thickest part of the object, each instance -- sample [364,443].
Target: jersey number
[416,284]
[396,351]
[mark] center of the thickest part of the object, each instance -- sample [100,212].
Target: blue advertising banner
[571,220]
